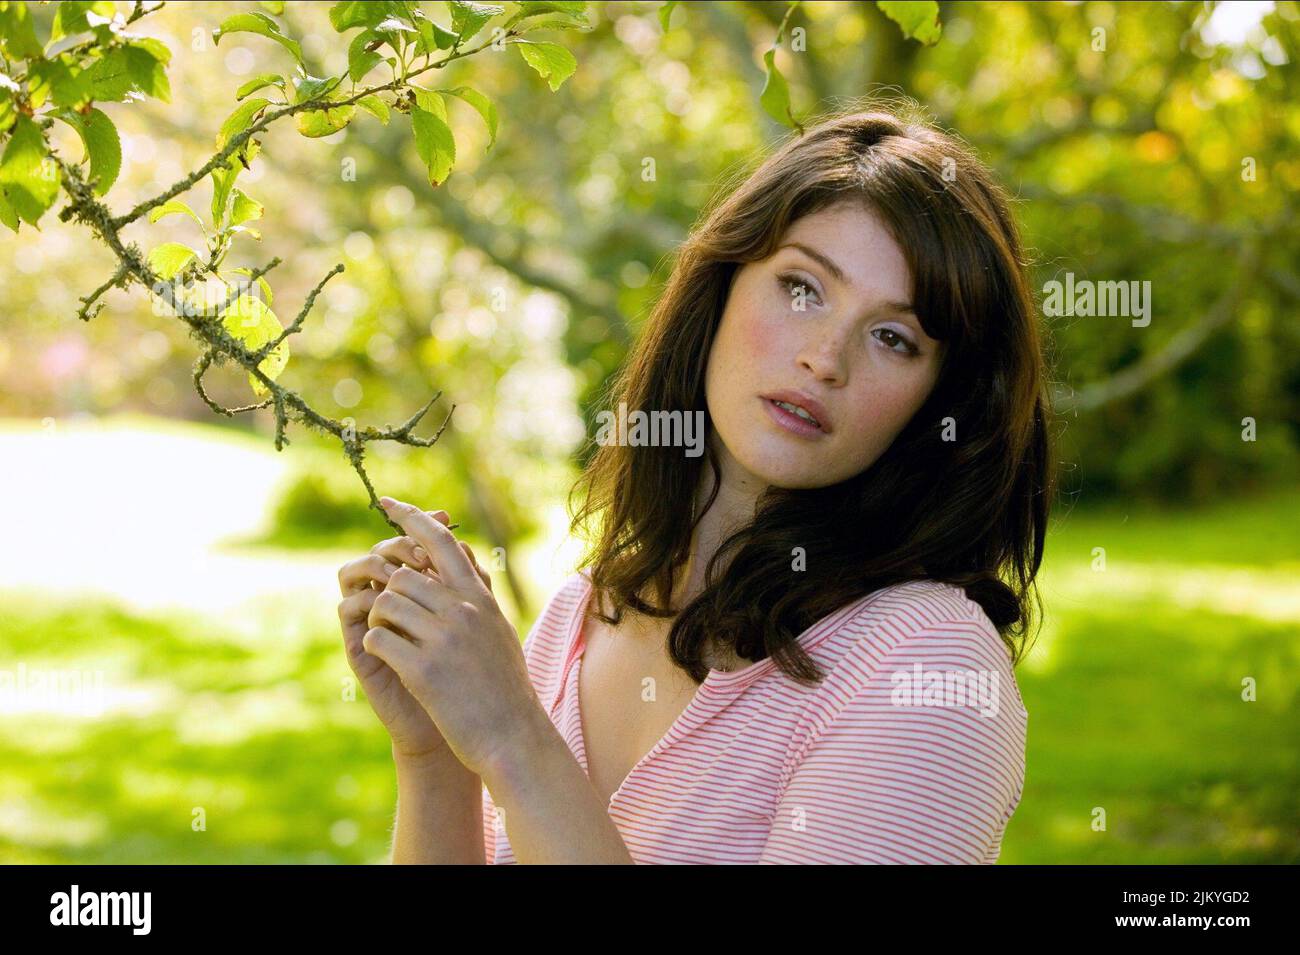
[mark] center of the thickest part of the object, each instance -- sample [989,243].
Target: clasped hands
[443,634]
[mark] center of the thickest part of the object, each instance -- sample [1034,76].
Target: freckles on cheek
[760,339]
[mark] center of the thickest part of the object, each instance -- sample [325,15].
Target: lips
[801,407]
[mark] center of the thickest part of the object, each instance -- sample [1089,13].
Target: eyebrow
[829,265]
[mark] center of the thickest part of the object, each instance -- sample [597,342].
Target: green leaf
[250,321]
[173,207]
[261,82]
[260,24]
[535,8]
[28,181]
[345,16]
[433,36]
[274,6]
[362,60]
[531,8]
[918,19]
[468,18]
[223,181]
[146,62]
[552,62]
[7,214]
[325,122]
[374,105]
[430,101]
[244,209]
[18,33]
[168,259]
[666,14]
[70,17]
[240,119]
[553,16]
[775,98]
[109,78]
[58,81]
[103,147]
[486,108]
[139,66]
[7,112]
[314,87]
[155,48]
[394,25]
[261,283]
[435,144]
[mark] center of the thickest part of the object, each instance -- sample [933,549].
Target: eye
[793,286]
[891,339]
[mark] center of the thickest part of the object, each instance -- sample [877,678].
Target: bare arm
[552,813]
[439,812]
[445,637]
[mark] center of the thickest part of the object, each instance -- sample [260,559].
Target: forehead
[856,239]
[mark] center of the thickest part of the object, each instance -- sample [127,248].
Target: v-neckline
[721,686]
[577,654]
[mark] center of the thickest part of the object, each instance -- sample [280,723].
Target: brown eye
[892,340]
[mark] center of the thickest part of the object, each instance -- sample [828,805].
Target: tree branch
[1133,378]
[221,346]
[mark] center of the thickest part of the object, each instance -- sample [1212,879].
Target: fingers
[405,614]
[357,574]
[430,595]
[398,652]
[354,608]
[483,574]
[353,611]
[448,559]
[405,549]
[402,550]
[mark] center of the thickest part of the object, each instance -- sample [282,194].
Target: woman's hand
[445,636]
[361,582]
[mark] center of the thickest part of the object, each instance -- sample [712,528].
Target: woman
[797,646]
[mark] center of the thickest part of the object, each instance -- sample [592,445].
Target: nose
[823,356]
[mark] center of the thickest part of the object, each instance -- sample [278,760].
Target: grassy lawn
[1133,689]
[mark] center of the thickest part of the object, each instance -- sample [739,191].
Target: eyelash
[792,282]
[909,350]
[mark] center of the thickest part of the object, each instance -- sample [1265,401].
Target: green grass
[1133,690]
[257,737]
[1142,716]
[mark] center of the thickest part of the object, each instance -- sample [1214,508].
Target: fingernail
[386,502]
[389,570]
[419,553]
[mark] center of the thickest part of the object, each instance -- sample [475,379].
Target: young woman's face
[823,324]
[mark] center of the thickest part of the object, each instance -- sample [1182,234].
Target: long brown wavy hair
[971,511]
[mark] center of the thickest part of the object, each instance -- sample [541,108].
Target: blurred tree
[1143,141]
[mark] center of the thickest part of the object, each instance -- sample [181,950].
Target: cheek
[887,401]
[749,340]
[763,336]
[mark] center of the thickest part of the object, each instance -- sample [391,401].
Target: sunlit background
[180,574]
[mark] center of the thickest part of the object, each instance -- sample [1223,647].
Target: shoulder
[923,655]
[927,618]
[922,701]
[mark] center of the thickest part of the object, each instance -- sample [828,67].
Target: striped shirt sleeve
[918,756]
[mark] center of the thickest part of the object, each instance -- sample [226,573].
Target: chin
[785,469]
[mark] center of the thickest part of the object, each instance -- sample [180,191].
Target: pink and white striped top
[911,750]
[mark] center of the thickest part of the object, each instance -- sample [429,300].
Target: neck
[731,509]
